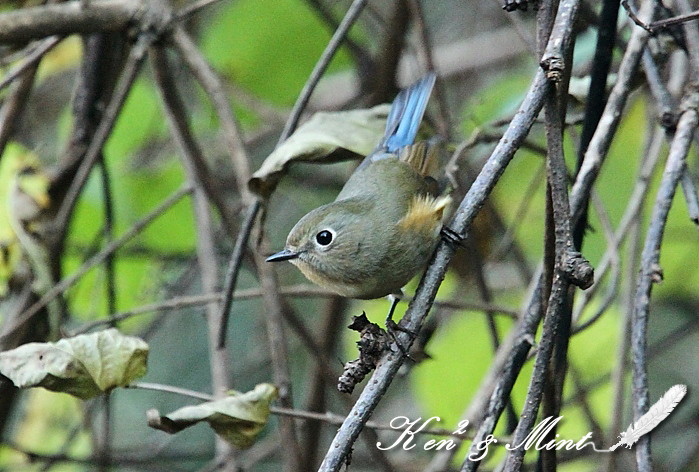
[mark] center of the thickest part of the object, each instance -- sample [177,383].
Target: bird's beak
[283,255]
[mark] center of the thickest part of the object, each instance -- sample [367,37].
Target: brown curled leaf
[237,418]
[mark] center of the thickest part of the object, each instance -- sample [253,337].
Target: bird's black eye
[324,238]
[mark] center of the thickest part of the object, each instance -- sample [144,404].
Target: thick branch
[68,18]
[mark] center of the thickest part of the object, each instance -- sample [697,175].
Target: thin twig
[213,86]
[319,388]
[104,442]
[109,236]
[13,104]
[333,45]
[192,8]
[620,369]
[206,254]
[274,320]
[664,101]
[359,54]
[327,417]
[635,18]
[630,216]
[613,251]
[97,259]
[186,140]
[128,75]
[557,315]
[233,269]
[185,392]
[609,122]
[650,269]
[302,291]
[33,56]
[597,95]
[215,89]
[690,196]
[675,20]
[520,213]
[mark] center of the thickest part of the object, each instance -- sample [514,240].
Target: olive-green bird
[385,223]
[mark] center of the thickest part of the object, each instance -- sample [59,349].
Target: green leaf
[238,418]
[326,137]
[84,366]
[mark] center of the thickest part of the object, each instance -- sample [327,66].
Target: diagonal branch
[35,53]
[350,17]
[97,259]
[102,133]
[427,289]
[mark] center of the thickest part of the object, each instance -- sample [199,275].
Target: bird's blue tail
[406,114]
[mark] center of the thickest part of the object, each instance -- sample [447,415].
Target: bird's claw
[391,328]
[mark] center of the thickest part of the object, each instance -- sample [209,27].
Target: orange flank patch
[425,213]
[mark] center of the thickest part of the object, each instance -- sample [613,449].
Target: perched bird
[385,223]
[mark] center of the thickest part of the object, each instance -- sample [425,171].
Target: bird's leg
[394,298]
[392,326]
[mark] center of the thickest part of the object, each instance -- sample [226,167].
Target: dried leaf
[327,137]
[84,366]
[238,418]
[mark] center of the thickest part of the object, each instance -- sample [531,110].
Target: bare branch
[691,197]
[333,45]
[32,57]
[68,18]
[415,316]
[274,319]
[97,259]
[101,134]
[650,269]
[601,140]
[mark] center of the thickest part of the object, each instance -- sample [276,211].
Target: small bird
[385,223]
